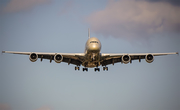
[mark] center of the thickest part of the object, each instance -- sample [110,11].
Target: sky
[122,26]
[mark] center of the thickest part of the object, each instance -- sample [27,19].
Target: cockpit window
[93,42]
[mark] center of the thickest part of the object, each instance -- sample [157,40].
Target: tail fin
[88,32]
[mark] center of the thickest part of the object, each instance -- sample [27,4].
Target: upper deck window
[93,42]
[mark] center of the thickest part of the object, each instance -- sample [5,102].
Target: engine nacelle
[149,58]
[33,57]
[126,59]
[58,58]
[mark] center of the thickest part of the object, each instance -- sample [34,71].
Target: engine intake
[58,58]
[33,57]
[149,58]
[126,59]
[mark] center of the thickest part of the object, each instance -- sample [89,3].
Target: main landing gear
[105,68]
[76,67]
[97,69]
[85,69]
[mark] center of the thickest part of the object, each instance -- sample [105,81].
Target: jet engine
[126,59]
[58,58]
[149,58]
[33,57]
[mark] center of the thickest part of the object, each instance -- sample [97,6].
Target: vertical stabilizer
[88,33]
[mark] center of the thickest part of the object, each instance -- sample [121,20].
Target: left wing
[126,58]
[70,58]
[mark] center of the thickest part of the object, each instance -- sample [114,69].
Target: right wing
[70,58]
[108,58]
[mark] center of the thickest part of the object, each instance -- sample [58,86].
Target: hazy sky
[123,26]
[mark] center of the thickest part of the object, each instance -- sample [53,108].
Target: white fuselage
[92,53]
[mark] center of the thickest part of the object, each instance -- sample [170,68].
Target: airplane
[92,57]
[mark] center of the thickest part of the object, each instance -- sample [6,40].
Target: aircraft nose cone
[94,47]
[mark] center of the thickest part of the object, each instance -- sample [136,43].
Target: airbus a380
[92,57]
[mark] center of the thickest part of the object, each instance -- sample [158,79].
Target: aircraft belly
[92,59]
[90,64]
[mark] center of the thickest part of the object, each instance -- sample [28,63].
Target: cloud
[135,19]
[4,107]
[173,2]
[18,5]
[44,108]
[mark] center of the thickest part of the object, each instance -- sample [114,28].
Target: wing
[70,58]
[115,58]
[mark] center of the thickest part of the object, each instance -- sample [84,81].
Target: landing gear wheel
[105,68]
[85,69]
[76,68]
[96,69]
